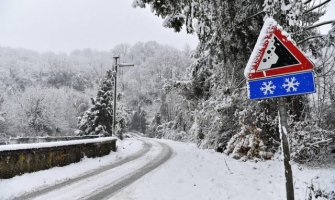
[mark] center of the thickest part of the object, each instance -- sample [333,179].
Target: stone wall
[25,140]
[16,160]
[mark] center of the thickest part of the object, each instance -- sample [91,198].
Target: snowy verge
[29,182]
[10,147]
[194,173]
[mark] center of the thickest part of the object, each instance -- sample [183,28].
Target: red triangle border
[304,63]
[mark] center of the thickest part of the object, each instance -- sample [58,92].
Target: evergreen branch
[309,38]
[317,6]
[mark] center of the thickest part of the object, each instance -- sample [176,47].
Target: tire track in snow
[109,190]
[146,148]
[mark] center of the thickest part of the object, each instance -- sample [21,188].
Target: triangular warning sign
[275,54]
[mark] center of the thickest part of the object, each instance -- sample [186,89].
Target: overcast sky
[65,25]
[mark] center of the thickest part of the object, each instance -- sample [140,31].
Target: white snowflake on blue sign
[291,83]
[268,88]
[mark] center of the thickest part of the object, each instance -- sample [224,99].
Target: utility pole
[115,84]
[116,66]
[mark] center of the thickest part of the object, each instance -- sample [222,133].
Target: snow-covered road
[86,175]
[91,178]
[190,173]
[108,182]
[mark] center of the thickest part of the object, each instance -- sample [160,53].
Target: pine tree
[99,118]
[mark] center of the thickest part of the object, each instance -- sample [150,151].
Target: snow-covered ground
[191,174]
[195,174]
[32,181]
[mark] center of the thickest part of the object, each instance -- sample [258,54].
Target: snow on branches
[175,20]
[99,118]
[292,11]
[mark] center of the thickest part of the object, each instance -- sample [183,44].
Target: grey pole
[283,129]
[116,66]
[115,85]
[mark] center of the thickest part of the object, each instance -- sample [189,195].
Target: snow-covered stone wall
[25,140]
[17,159]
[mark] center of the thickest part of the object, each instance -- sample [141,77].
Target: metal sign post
[283,130]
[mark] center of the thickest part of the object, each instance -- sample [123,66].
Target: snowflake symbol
[291,83]
[268,88]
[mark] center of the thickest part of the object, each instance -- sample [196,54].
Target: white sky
[330,15]
[65,25]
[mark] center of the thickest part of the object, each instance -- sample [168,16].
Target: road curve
[110,190]
[146,148]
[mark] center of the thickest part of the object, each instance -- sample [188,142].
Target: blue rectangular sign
[286,85]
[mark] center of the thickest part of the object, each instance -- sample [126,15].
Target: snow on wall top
[263,37]
[53,144]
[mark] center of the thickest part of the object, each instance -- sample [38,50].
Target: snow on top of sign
[53,144]
[266,31]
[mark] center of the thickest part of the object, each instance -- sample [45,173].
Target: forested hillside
[45,93]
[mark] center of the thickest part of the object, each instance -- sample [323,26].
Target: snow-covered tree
[40,111]
[99,118]
[227,31]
